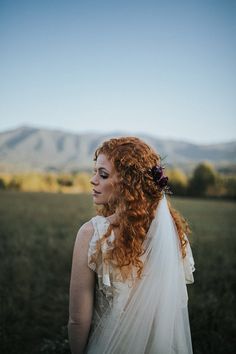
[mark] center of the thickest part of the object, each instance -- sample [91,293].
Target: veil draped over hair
[152,317]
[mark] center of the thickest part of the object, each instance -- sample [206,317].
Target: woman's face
[104,181]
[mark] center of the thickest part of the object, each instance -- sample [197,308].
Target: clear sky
[167,68]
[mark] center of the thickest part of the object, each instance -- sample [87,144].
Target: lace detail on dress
[104,271]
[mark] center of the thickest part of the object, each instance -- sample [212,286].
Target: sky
[164,68]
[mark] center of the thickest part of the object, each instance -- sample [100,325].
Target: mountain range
[27,148]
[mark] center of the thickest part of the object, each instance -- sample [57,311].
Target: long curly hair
[138,198]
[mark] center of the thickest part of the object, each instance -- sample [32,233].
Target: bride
[132,261]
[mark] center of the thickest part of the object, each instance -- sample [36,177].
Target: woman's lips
[95,192]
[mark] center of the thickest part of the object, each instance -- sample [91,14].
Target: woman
[132,261]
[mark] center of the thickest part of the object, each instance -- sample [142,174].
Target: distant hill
[27,148]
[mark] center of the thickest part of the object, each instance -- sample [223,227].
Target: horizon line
[89,131]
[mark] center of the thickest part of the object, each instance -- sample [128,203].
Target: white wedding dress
[150,317]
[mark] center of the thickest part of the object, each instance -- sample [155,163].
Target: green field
[37,233]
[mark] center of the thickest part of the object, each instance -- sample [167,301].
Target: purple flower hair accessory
[158,176]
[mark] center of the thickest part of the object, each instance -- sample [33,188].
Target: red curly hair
[136,204]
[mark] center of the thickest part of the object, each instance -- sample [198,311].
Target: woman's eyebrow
[102,168]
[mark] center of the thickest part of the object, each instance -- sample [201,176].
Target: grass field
[37,233]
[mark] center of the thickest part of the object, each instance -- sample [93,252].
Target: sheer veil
[153,316]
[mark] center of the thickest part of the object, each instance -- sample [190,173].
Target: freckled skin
[104,180]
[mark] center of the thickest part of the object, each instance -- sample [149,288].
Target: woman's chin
[97,201]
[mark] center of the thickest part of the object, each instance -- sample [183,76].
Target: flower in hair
[158,176]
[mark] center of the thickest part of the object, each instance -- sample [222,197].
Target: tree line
[204,181]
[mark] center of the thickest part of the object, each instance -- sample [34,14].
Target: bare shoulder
[81,244]
[87,228]
[85,233]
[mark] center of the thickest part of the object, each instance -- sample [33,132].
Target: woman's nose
[93,180]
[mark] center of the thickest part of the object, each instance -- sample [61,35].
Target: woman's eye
[104,176]
[101,175]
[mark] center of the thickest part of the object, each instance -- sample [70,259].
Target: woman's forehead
[102,161]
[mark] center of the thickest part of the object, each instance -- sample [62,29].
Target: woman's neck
[113,219]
